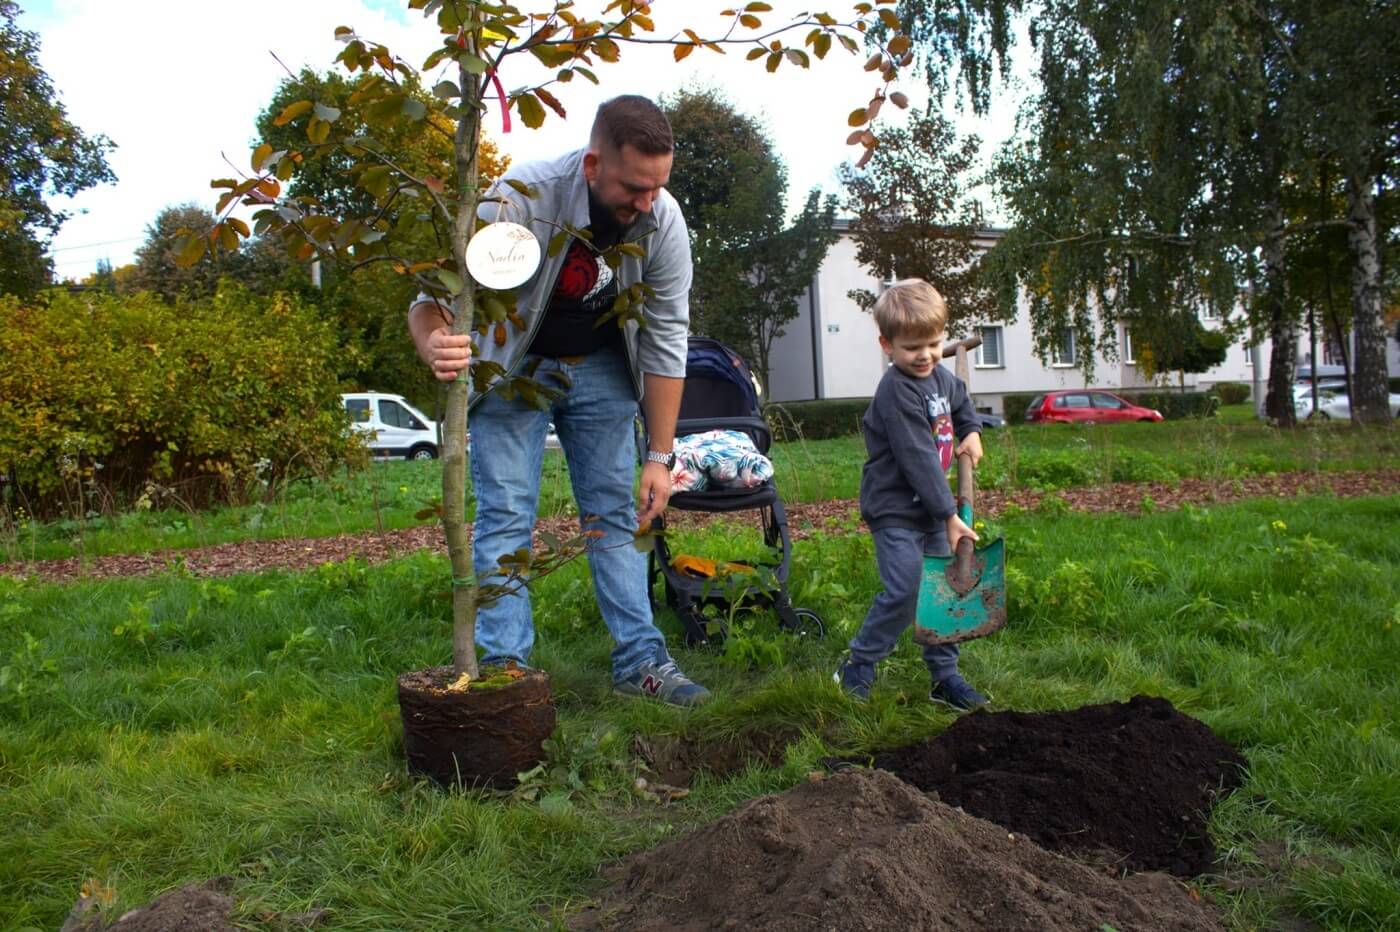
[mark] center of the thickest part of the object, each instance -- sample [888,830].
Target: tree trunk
[454,434]
[1283,328]
[1369,405]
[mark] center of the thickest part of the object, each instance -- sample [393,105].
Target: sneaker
[663,681]
[855,678]
[957,694]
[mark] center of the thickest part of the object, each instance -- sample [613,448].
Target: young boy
[904,494]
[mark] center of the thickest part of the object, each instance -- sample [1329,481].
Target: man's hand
[972,446]
[448,355]
[653,492]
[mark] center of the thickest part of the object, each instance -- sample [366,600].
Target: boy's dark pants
[899,553]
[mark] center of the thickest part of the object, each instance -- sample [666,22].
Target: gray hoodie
[909,438]
[562,197]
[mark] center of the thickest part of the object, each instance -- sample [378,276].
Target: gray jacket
[909,433]
[562,197]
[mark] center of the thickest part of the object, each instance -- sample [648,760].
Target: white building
[831,349]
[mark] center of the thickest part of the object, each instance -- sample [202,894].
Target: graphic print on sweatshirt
[941,421]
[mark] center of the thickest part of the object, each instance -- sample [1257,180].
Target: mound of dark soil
[203,906]
[862,850]
[1128,780]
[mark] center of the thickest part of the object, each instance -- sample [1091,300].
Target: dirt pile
[862,850]
[203,906]
[1129,782]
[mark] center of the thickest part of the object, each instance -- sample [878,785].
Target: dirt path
[803,519]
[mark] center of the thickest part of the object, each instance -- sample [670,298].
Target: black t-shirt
[585,289]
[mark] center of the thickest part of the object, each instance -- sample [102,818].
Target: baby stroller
[720,395]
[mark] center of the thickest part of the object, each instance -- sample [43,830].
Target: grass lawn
[1041,457]
[161,730]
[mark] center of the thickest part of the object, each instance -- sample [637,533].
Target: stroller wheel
[807,624]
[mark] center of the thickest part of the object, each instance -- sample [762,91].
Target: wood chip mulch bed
[803,519]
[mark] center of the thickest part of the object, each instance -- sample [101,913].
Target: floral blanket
[718,459]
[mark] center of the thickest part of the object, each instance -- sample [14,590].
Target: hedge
[106,400]
[1232,393]
[815,420]
[1172,404]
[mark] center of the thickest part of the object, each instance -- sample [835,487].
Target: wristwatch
[665,459]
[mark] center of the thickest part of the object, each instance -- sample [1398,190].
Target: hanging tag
[503,255]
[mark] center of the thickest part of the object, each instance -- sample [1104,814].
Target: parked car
[394,428]
[1086,406]
[1331,403]
[989,421]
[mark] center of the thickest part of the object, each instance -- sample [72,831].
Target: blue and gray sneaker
[855,678]
[662,680]
[957,694]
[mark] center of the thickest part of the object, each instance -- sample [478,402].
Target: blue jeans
[899,553]
[596,423]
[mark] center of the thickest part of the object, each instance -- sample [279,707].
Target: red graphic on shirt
[943,440]
[579,274]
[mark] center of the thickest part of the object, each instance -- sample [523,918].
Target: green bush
[1013,407]
[1232,393]
[105,399]
[815,420]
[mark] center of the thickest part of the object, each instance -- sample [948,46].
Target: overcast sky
[178,85]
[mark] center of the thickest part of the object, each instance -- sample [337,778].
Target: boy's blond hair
[910,308]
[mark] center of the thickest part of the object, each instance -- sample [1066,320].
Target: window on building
[1209,313]
[988,355]
[1063,352]
[1129,346]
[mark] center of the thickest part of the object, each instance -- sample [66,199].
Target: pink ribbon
[501,95]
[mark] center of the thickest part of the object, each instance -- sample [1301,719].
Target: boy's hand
[972,446]
[957,531]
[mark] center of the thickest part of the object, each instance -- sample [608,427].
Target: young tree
[476,39]
[41,154]
[914,217]
[751,267]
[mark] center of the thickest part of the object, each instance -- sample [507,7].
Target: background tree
[1177,342]
[914,217]
[41,154]
[156,267]
[1164,139]
[751,266]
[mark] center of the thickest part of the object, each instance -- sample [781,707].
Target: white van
[394,427]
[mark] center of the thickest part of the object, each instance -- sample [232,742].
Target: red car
[1085,406]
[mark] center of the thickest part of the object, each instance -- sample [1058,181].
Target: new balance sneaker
[855,678]
[957,694]
[663,681]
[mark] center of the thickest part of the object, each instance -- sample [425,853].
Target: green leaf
[329,114]
[531,111]
[189,249]
[451,281]
[474,64]
[446,90]
[414,109]
[522,188]
[556,243]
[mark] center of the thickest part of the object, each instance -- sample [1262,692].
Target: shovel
[962,596]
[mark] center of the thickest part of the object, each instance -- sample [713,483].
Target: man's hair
[632,120]
[910,308]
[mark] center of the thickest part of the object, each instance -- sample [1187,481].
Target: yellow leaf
[681,51]
[856,118]
[260,155]
[460,683]
[291,112]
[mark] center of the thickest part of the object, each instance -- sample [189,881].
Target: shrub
[1232,393]
[1013,407]
[104,397]
[1174,404]
[815,420]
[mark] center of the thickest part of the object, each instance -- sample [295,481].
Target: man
[615,189]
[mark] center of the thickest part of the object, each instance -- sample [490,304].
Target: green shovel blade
[946,615]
